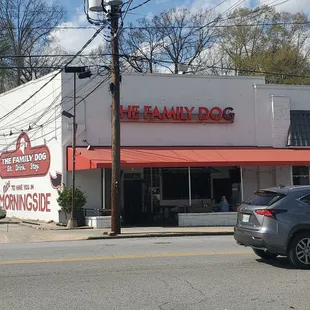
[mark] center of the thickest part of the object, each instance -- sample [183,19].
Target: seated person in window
[224,205]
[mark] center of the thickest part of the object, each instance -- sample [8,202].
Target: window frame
[300,200]
[276,194]
[300,175]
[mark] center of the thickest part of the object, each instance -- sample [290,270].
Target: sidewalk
[34,231]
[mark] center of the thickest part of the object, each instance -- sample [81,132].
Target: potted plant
[64,200]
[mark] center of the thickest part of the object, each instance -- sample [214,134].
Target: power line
[49,121]
[158,61]
[140,5]
[34,124]
[176,27]
[55,75]
[182,27]
[219,26]
[53,55]
[18,124]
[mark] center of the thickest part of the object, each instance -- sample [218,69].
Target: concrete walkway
[17,231]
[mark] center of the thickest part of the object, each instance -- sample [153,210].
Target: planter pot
[64,217]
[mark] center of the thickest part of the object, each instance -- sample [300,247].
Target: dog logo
[56,180]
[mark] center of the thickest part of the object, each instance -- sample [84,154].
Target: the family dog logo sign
[25,161]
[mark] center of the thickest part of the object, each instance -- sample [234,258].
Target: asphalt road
[147,274]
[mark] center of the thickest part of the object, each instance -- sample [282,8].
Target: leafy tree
[273,43]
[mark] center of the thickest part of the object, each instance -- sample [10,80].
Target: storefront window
[301,175]
[175,183]
[200,183]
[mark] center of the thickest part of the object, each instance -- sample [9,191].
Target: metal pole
[72,222]
[115,89]
[189,187]
[151,190]
[241,183]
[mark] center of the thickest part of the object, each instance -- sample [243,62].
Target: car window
[305,199]
[264,198]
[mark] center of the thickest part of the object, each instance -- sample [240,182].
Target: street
[152,273]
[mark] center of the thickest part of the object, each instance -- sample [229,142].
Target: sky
[73,39]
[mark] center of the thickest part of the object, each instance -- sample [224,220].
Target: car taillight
[269,213]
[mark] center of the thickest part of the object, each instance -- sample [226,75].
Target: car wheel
[299,251]
[265,254]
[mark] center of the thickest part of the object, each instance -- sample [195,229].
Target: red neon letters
[133,113]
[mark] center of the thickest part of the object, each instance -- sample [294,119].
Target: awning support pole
[152,190]
[241,185]
[189,187]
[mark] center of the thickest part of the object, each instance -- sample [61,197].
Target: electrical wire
[158,61]
[140,5]
[55,75]
[34,124]
[49,122]
[18,124]
[102,83]
[53,55]
[220,26]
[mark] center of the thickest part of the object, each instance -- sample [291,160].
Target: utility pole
[115,89]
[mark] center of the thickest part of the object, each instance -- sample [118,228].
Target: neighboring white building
[166,124]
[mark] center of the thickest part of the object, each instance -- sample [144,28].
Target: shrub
[64,199]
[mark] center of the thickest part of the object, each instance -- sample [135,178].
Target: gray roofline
[42,78]
[182,76]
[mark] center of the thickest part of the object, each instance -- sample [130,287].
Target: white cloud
[72,40]
[219,6]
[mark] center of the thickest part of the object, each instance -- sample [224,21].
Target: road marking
[116,257]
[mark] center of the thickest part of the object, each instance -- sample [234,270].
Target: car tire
[296,254]
[265,254]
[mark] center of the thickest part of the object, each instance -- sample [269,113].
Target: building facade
[186,142]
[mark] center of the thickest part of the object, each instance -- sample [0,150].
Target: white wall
[89,181]
[250,181]
[277,101]
[41,113]
[255,178]
[169,90]
[281,120]
[284,176]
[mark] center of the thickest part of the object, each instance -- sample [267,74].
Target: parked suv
[276,221]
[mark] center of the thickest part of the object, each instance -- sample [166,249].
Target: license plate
[245,218]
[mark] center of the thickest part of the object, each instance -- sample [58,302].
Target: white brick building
[224,157]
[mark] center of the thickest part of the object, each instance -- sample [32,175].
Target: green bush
[65,199]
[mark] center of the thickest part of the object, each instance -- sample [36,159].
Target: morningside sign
[24,163]
[176,114]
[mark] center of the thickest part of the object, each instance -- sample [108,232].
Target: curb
[9,222]
[161,235]
[37,226]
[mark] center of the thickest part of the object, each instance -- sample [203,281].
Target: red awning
[135,157]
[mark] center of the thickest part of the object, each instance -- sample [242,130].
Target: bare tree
[175,36]
[140,44]
[27,26]
[184,36]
